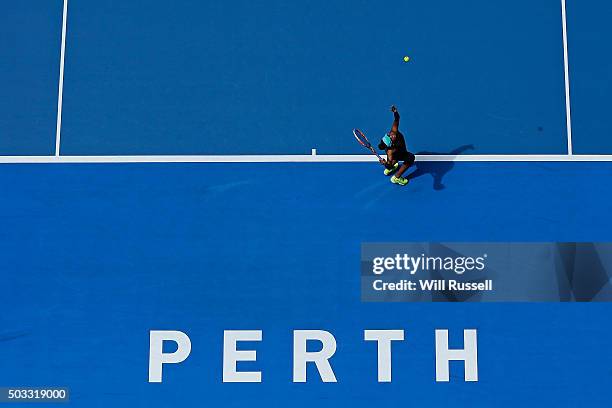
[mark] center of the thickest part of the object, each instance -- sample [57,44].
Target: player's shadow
[437,169]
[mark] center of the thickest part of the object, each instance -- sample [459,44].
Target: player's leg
[391,164]
[409,160]
[391,168]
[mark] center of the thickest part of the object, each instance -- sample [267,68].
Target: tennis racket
[363,140]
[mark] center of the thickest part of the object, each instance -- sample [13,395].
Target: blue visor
[386,140]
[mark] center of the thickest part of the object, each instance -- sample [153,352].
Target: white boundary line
[319,158]
[60,93]
[568,111]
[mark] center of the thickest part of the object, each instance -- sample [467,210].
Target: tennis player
[394,145]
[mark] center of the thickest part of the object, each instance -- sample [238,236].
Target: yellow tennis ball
[406,58]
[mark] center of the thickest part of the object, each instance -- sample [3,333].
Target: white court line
[568,112]
[60,93]
[298,158]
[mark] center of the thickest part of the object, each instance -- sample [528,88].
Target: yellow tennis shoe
[399,180]
[391,171]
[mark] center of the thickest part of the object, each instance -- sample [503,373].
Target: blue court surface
[96,255]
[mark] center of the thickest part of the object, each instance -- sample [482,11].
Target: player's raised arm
[396,118]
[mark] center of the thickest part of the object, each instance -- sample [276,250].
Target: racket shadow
[437,169]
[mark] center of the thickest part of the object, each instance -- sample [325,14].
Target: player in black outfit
[394,145]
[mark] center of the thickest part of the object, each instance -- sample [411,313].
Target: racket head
[361,138]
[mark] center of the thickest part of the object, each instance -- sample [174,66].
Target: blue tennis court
[113,234]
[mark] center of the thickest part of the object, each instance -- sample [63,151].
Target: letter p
[157,358]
